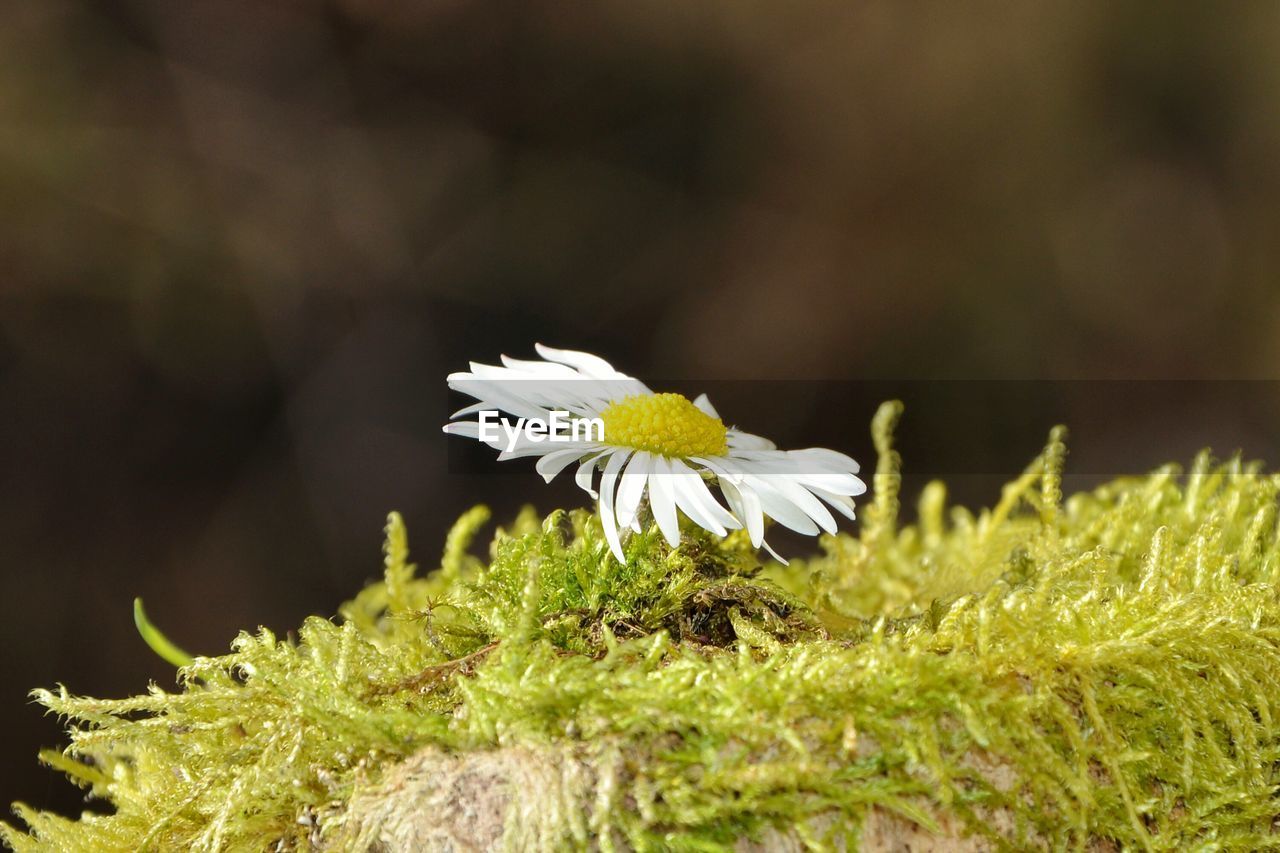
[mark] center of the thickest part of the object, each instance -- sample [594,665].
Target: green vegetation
[1049,673]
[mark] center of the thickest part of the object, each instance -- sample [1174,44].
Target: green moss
[1043,672]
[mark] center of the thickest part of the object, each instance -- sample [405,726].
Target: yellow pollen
[665,424]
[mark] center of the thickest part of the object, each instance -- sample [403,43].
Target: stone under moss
[1100,672]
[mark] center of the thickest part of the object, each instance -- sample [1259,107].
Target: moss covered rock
[1101,672]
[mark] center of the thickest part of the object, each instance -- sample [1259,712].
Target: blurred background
[243,243]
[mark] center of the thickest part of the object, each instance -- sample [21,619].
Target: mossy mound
[1099,672]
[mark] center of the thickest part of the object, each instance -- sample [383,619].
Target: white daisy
[656,446]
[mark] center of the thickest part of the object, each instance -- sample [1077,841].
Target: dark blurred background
[244,242]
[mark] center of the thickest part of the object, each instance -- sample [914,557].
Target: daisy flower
[574,407]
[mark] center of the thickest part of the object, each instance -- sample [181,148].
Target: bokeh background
[243,242]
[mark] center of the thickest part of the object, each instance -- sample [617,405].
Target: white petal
[686,502]
[607,516]
[540,368]
[470,410]
[526,446]
[693,497]
[484,371]
[778,497]
[503,396]
[778,507]
[746,506]
[586,471]
[468,429]
[756,479]
[834,471]
[737,439]
[774,553]
[807,503]
[611,384]
[776,473]
[826,459]
[586,363]
[631,489]
[842,504]
[553,463]
[662,501]
[724,467]
[704,403]
[836,484]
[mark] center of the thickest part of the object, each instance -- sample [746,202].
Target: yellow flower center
[665,424]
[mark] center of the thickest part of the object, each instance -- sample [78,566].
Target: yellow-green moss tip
[1097,671]
[882,516]
[159,643]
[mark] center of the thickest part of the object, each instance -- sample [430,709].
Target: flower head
[661,447]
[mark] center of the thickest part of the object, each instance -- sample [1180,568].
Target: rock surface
[452,803]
